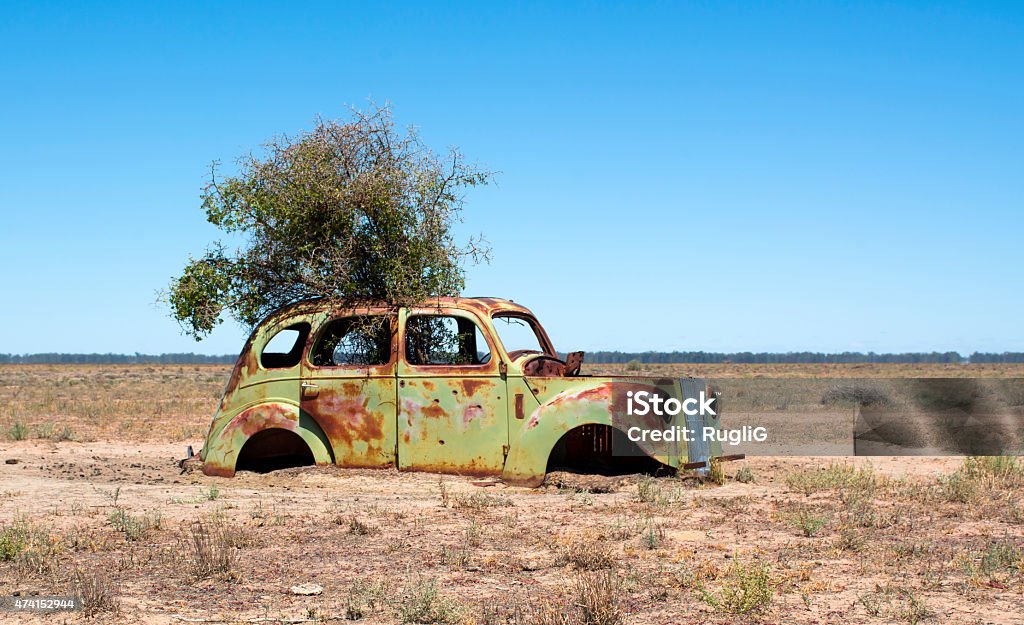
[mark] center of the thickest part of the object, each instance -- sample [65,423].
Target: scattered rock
[307,590]
[11,461]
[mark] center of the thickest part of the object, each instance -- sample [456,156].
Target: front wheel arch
[600,449]
[530,447]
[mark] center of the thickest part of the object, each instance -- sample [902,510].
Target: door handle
[309,391]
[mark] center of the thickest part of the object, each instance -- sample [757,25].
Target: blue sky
[807,176]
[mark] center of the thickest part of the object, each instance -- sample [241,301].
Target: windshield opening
[518,334]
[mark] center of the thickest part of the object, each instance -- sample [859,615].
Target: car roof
[485,306]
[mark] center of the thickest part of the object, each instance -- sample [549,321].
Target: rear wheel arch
[224,449]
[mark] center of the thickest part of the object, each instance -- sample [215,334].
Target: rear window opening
[284,349]
[353,341]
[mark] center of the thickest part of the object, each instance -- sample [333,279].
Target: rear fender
[222,449]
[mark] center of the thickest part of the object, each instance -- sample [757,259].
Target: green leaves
[197,296]
[348,211]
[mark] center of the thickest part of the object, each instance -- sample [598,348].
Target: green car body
[476,409]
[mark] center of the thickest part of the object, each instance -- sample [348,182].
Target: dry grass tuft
[29,546]
[746,588]
[364,599]
[717,472]
[97,591]
[133,527]
[596,599]
[808,520]
[745,475]
[356,526]
[421,602]
[593,599]
[586,555]
[212,551]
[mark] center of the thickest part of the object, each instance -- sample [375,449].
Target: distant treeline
[116,359]
[796,357]
[591,357]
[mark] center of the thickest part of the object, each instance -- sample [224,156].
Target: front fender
[223,445]
[583,404]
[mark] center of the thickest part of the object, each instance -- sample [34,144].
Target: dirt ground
[91,507]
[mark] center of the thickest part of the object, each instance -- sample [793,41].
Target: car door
[452,405]
[349,387]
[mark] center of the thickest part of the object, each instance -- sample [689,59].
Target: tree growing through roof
[352,210]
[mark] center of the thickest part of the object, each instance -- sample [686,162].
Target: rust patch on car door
[351,391]
[453,417]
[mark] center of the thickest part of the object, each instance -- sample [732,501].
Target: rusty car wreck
[470,386]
